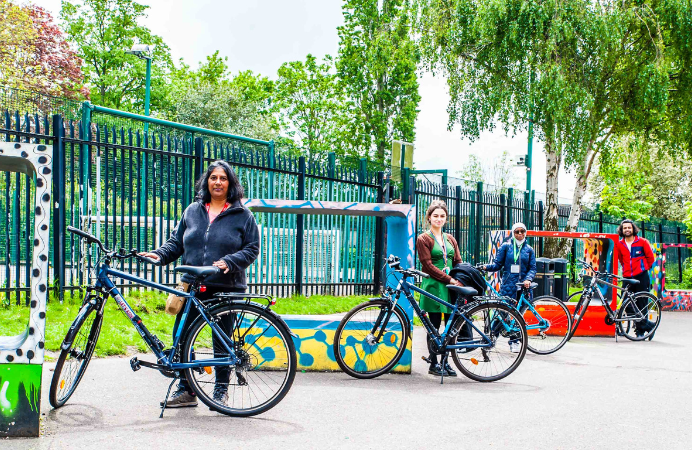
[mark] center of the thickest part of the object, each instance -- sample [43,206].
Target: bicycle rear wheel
[579,311]
[639,316]
[365,347]
[266,350]
[549,333]
[73,361]
[502,325]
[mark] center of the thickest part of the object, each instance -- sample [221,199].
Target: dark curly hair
[235,190]
[635,228]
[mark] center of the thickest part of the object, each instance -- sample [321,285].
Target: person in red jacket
[636,258]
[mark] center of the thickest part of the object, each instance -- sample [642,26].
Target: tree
[583,72]
[311,104]
[34,54]
[498,173]
[102,31]
[210,98]
[377,64]
[638,180]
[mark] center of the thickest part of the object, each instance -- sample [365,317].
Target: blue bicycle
[237,356]
[486,339]
[548,321]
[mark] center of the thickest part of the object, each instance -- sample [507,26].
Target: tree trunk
[550,222]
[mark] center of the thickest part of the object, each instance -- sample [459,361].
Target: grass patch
[119,337]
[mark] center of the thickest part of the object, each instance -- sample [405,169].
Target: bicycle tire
[628,328]
[354,350]
[539,342]
[579,311]
[66,378]
[476,363]
[266,348]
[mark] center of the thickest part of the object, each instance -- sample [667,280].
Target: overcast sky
[261,35]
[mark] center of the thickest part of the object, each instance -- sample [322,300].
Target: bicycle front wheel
[639,316]
[492,323]
[549,328]
[367,347]
[73,361]
[267,360]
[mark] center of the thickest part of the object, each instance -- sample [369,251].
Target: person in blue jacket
[518,260]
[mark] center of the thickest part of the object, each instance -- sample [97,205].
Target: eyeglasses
[519,231]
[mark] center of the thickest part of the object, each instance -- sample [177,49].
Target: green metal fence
[127,179]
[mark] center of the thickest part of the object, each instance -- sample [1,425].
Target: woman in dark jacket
[518,261]
[215,230]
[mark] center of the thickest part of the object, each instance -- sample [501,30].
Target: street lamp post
[144,51]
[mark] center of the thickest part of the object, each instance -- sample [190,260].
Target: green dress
[433,286]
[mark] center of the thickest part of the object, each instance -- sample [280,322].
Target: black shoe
[450,371]
[435,369]
[220,394]
[181,398]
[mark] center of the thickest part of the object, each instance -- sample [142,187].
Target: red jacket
[636,261]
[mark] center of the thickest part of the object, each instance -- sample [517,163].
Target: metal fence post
[379,232]
[457,218]
[199,158]
[411,190]
[331,173]
[600,221]
[405,185]
[510,206]
[679,255]
[272,165]
[59,206]
[503,211]
[643,229]
[660,233]
[300,228]
[540,225]
[479,222]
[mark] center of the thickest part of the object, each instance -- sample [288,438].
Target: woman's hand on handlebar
[150,255]
[221,265]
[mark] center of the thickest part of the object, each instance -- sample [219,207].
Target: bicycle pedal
[426,359]
[135,364]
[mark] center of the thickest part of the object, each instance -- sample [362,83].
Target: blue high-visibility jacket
[504,260]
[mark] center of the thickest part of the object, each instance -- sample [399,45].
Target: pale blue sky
[261,35]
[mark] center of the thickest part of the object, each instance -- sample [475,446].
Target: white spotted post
[21,356]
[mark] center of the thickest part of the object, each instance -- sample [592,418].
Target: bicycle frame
[611,314]
[542,323]
[405,287]
[104,283]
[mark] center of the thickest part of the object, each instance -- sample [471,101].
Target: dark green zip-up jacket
[232,237]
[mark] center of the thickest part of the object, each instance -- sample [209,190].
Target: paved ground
[594,393]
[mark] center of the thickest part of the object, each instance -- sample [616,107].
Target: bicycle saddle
[197,271]
[463,290]
[533,285]
[630,280]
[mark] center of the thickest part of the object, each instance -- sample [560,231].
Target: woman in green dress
[438,253]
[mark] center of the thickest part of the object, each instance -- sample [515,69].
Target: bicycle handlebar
[111,253]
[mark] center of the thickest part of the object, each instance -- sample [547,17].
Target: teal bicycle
[548,321]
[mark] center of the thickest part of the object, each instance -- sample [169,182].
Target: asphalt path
[594,393]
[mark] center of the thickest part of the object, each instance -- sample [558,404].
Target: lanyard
[517,251]
[444,246]
[208,205]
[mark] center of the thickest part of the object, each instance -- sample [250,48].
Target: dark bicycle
[486,339]
[548,321]
[257,349]
[640,308]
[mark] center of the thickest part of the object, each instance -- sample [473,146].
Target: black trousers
[644,285]
[223,373]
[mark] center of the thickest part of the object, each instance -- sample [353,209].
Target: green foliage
[377,65]
[584,72]
[102,31]
[312,105]
[34,54]
[638,180]
[210,97]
